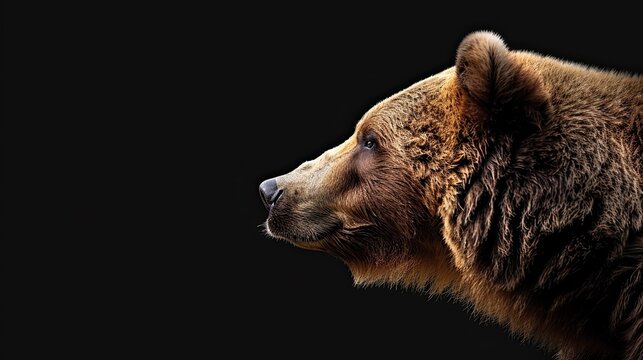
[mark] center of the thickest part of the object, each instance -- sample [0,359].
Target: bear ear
[489,73]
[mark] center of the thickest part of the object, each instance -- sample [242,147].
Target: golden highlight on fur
[513,181]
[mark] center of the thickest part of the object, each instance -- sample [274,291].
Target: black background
[142,133]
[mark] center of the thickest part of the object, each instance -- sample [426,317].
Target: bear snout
[269,192]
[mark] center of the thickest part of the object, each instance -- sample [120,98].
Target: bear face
[338,202]
[512,180]
[364,201]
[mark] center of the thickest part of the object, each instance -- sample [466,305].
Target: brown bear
[512,180]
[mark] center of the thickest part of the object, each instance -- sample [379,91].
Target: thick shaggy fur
[513,180]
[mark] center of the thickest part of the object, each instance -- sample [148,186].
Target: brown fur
[513,181]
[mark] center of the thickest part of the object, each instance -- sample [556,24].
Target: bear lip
[298,240]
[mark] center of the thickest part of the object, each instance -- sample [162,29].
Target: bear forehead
[418,101]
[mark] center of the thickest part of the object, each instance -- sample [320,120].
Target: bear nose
[269,192]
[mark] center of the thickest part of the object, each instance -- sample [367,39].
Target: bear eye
[369,144]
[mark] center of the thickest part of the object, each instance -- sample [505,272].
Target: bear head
[378,200]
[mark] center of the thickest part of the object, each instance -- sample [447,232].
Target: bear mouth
[313,230]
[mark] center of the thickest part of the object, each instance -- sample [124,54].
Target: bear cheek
[345,185]
[365,204]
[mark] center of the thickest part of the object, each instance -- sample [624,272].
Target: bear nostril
[276,196]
